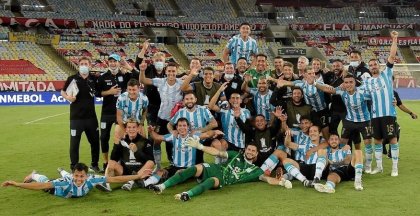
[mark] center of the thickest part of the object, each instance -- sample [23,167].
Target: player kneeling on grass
[238,169]
[74,185]
[133,154]
[343,166]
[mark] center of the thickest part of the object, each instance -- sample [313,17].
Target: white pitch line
[47,117]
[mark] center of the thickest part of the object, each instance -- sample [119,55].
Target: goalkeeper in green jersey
[239,168]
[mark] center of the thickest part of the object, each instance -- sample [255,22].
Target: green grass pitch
[30,142]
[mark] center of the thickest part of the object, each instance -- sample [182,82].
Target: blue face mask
[83,70]
[354,64]
[159,65]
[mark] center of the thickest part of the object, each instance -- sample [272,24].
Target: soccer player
[260,71]
[199,117]
[170,94]
[204,90]
[311,166]
[133,154]
[110,85]
[383,112]
[343,166]
[278,70]
[241,66]
[238,169]
[357,120]
[234,137]
[283,94]
[234,80]
[302,65]
[241,45]
[130,104]
[183,156]
[263,135]
[195,64]
[82,113]
[357,67]
[315,98]
[397,101]
[261,96]
[74,185]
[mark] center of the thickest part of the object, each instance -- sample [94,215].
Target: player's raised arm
[394,47]
[212,104]
[288,141]
[142,75]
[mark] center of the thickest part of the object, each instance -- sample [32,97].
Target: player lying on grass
[77,184]
[343,166]
[238,169]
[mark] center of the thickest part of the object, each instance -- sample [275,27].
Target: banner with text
[402,41]
[351,27]
[32,22]
[110,24]
[31,86]
[34,98]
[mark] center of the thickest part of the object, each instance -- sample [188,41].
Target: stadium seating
[99,52]
[416,51]
[89,34]
[33,53]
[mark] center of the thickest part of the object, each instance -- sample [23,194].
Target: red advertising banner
[31,22]
[27,86]
[402,41]
[349,27]
[109,24]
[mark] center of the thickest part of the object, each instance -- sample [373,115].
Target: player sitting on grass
[77,184]
[133,154]
[343,167]
[238,169]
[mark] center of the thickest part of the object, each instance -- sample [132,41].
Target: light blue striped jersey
[233,133]
[169,96]
[239,48]
[198,118]
[182,154]
[299,137]
[356,105]
[312,95]
[132,109]
[262,103]
[337,155]
[65,187]
[382,93]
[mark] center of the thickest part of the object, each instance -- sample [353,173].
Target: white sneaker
[127,186]
[324,188]
[377,170]
[368,169]
[358,185]
[285,183]
[394,172]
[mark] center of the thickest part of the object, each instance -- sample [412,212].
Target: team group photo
[213,107]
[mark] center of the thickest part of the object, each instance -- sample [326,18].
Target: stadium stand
[31,52]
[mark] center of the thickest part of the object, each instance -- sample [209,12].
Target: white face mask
[229,76]
[354,64]
[159,65]
[83,70]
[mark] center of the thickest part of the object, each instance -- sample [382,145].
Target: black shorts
[232,147]
[321,118]
[384,127]
[130,168]
[308,170]
[386,141]
[354,129]
[346,172]
[172,170]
